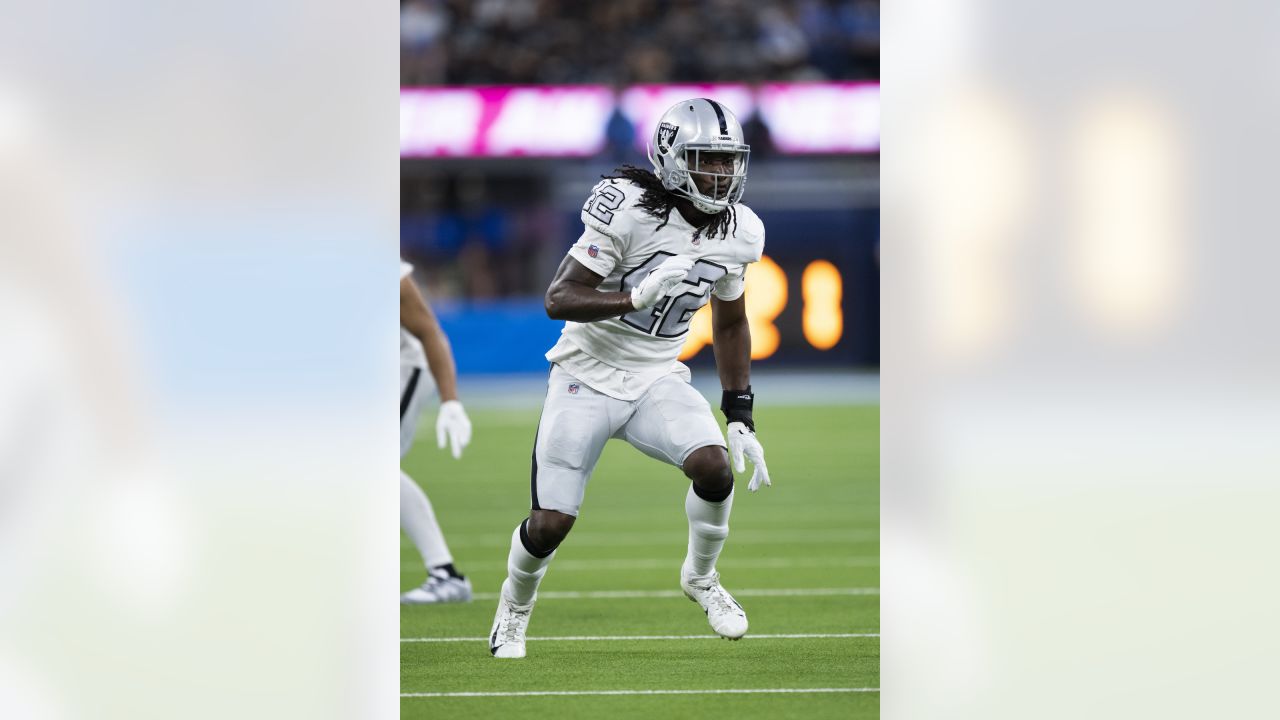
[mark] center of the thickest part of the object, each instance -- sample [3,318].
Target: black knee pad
[558,528]
[714,496]
[528,543]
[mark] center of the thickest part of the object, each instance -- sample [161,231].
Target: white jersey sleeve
[596,251]
[607,219]
[751,232]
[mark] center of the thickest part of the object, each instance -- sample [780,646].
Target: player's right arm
[607,219]
[573,295]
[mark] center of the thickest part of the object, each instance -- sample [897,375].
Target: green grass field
[814,534]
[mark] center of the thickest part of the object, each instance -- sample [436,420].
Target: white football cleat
[439,589]
[724,613]
[506,639]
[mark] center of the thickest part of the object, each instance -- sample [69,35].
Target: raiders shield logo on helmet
[666,136]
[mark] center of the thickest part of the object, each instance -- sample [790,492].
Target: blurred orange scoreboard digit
[800,312]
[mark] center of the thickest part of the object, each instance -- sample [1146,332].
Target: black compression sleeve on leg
[736,406]
[529,547]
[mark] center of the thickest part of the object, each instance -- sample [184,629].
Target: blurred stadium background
[510,110]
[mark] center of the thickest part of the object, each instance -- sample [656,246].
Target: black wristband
[736,406]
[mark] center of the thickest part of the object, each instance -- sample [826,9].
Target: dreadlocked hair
[658,202]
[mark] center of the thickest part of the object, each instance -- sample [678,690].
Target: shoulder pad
[750,232]
[611,208]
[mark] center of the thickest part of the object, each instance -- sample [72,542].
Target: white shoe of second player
[439,589]
[724,613]
[506,639]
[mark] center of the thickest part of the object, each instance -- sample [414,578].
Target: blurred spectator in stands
[861,21]
[783,44]
[620,139]
[757,135]
[423,56]
[476,231]
[461,42]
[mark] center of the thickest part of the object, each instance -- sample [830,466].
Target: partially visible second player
[424,347]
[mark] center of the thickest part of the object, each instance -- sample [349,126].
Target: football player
[423,346]
[658,245]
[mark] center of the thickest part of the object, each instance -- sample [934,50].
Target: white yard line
[678,537]
[623,564]
[608,638]
[628,594]
[729,691]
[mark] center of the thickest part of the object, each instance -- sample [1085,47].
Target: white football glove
[453,423]
[742,441]
[659,281]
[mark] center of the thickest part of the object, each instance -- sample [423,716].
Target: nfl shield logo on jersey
[573,388]
[594,250]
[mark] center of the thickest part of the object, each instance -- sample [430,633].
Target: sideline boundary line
[726,691]
[870,533]
[628,564]
[595,638]
[629,594]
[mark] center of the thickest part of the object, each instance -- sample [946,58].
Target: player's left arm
[731,341]
[416,317]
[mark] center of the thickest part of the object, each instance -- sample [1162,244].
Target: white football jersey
[621,357]
[411,354]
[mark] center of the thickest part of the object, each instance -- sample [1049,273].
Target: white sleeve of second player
[598,252]
[730,286]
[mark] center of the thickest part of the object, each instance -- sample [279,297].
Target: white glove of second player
[453,423]
[742,441]
[659,281]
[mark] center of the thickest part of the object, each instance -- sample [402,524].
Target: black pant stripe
[533,471]
[407,395]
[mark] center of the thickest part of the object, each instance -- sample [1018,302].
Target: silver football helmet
[686,134]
